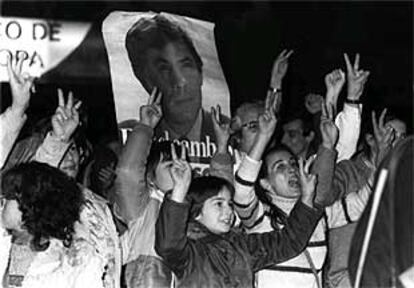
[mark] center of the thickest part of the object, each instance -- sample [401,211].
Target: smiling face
[162,176]
[282,174]
[174,71]
[217,212]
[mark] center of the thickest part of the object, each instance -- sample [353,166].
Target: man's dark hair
[155,33]
[304,117]
[49,200]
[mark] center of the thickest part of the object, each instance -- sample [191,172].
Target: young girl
[213,255]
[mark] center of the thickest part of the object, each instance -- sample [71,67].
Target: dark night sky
[249,36]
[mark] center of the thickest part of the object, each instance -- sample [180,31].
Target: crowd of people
[276,210]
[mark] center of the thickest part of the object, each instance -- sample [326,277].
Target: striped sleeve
[247,205]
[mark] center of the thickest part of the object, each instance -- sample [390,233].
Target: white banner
[42,43]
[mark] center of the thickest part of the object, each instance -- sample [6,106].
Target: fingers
[173,153]
[301,168]
[309,162]
[19,64]
[10,71]
[214,116]
[183,154]
[382,119]
[289,53]
[348,63]
[374,123]
[237,156]
[77,105]
[285,54]
[153,94]
[356,63]
[158,98]
[61,100]
[69,104]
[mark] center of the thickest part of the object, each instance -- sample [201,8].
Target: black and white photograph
[157,143]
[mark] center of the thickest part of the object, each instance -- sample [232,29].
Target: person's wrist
[328,145]
[264,136]
[307,200]
[274,89]
[179,192]
[353,100]
[19,109]
[222,148]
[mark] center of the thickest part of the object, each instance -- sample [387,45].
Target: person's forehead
[294,125]
[249,115]
[281,155]
[172,50]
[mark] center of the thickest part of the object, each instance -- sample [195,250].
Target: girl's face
[217,212]
[11,216]
[283,174]
[162,174]
[71,161]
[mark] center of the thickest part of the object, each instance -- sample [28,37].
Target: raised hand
[334,82]
[313,103]
[106,175]
[20,83]
[151,113]
[180,173]
[273,102]
[221,129]
[384,136]
[329,130]
[356,78]
[267,123]
[307,181]
[280,67]
[66,117]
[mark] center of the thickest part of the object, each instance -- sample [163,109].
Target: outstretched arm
[13,119]
[245,199]
[349,119]
[221,164]
[171,241]
[131,187]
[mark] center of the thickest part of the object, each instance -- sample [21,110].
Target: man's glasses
[252,125]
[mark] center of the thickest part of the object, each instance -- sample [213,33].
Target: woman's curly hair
[49,200]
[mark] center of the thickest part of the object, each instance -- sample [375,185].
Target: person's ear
[264,183]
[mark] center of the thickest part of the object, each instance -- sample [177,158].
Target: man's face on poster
[173,70]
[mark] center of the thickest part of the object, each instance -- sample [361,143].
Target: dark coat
[231,259]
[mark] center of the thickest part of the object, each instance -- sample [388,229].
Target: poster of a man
[177,55]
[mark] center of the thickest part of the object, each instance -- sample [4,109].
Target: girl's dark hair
[157,149]
[203,188]
[49,200]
